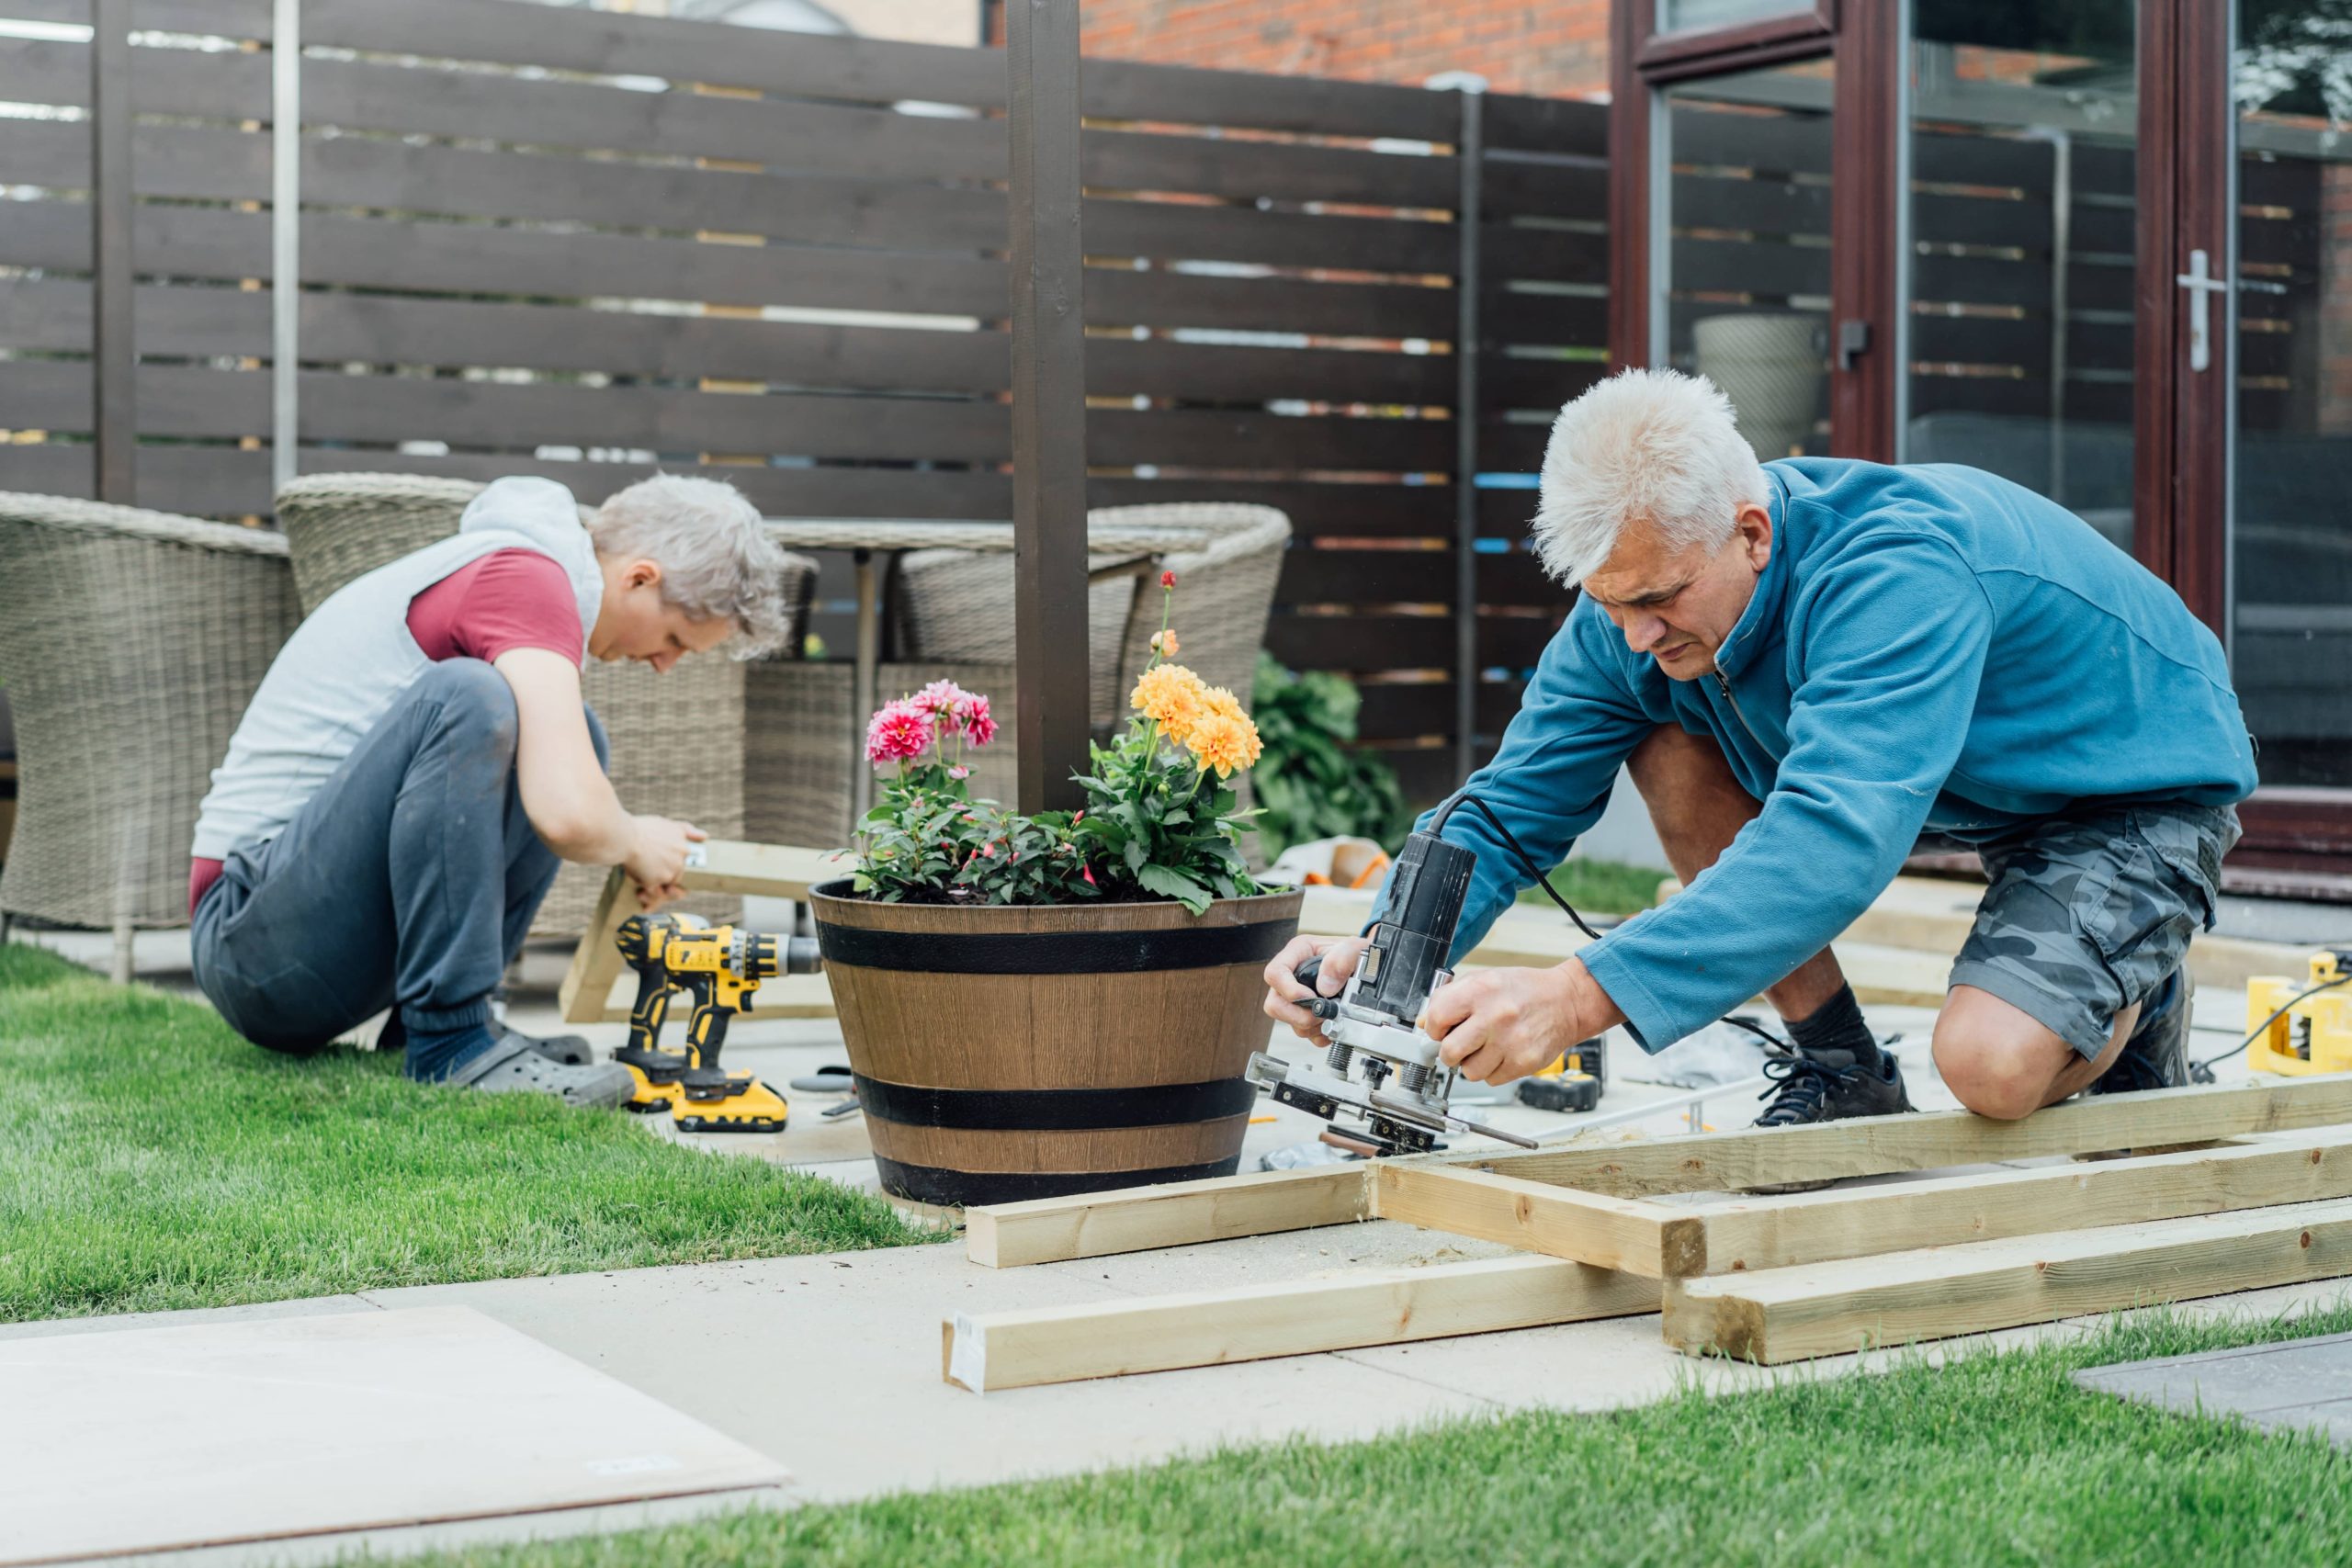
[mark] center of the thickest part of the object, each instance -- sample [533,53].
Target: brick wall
[1558,48]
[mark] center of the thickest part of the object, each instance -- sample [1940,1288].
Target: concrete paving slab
[831,1365]
[2302,1385]
[263,1428]
[314,1306]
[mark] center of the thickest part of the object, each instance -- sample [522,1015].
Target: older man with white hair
[418,761]
[1805,665]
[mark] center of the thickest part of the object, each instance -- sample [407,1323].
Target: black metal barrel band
[1054,953]
[959,1189]
[1054,1109]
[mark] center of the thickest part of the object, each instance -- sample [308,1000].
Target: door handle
[1853,341]
[2202,285]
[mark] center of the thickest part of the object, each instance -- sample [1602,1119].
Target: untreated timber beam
[1827,1309]
[1771,1232]
[1175,1213]
[1700,1162]
[1643,1238]
[1205,1328]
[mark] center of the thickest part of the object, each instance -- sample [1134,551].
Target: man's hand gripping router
[1495,1026]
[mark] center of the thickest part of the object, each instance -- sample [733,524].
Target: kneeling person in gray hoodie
[419,759]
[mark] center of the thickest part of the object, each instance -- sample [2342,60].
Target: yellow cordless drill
[721,967]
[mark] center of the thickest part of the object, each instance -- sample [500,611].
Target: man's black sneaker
[2156,1057]
[1831,1088]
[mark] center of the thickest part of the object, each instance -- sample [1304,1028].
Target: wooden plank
[1048,406]
[728,865]
[114,355]
[1647,1239]
[1698,1162]
[1281,171]
[1824,1309]
[1546,125]
[596,967]
[1773,1233]
[1015,1350]
[1177,1213]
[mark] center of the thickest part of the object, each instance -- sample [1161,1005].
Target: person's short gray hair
[1654,446]
[717,561]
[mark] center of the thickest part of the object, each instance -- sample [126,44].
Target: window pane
[1746,281]
[2291,530]
[2020,276]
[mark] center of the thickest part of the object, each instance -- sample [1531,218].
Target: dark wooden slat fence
[583,245]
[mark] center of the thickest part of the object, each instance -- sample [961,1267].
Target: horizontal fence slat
[1983,221]
[1769,267]
[1181,95]
[1281,171]
[1547,255]
[1960,158]
[1509,382]
[1556,320]
[1510,121]
[1533,188]
[1982,280]
[2025,397]
[1769,144]
[1754,206]
[1982,340]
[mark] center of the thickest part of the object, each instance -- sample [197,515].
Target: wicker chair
[677,739]
[130,642]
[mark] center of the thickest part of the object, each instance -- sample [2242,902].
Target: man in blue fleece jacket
[1805,665]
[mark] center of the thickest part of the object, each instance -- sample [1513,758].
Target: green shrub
[1310,784]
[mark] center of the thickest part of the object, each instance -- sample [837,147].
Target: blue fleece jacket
[1929,647]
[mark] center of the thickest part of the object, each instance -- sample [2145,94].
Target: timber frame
[2218,1189]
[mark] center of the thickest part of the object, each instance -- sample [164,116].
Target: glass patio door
[2020,269]
[2289,317]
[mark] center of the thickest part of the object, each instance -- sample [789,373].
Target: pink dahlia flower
[979,727]
[941,699]
[897,733]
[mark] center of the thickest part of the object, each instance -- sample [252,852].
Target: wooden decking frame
[1770,1278]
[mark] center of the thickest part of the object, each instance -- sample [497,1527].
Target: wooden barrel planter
[1011,1052]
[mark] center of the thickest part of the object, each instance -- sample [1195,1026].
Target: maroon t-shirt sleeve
[508,599]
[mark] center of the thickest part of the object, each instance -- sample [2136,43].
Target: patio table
[1113,549]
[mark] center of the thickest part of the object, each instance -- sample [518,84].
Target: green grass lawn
[1602,887]
[150,1159]
[1996,1459]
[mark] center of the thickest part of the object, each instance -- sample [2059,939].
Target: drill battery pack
[1573,1082]
[2313,1034]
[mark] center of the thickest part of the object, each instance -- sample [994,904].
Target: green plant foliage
[1310,784]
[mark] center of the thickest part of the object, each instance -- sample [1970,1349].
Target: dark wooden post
[1469,153]
[114,366]
[1049,402]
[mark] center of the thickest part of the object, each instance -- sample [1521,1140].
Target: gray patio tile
[2305,1385]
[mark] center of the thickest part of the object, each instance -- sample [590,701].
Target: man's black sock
[1834,1033]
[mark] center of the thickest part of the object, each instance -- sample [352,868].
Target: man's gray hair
[717,561]
[1653,446]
